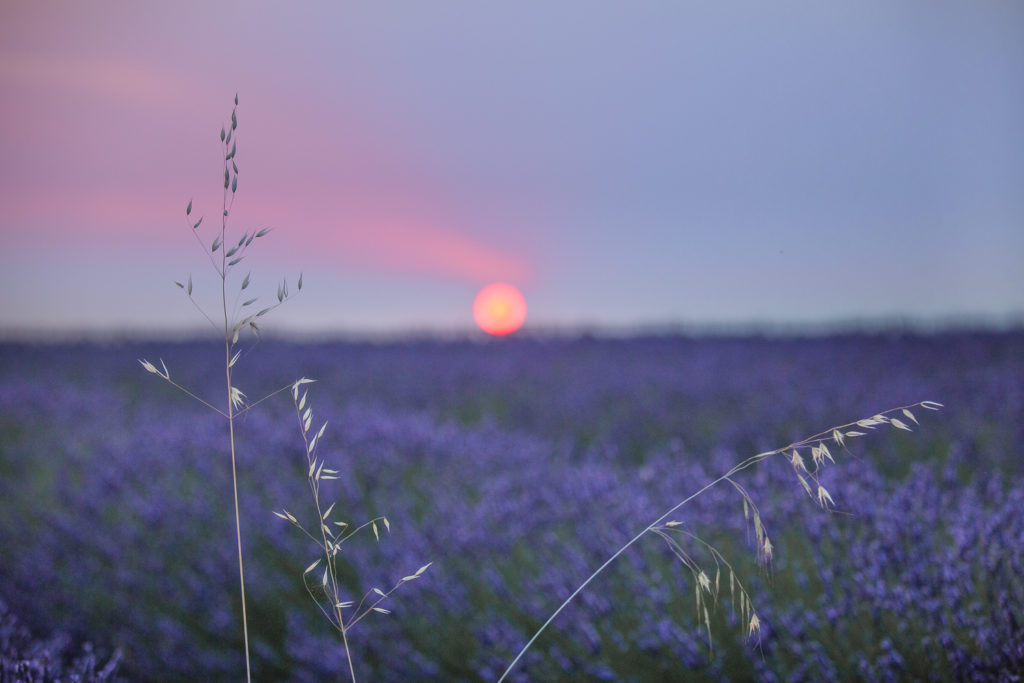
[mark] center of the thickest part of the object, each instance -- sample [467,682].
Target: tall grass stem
[231,416]
[238,521]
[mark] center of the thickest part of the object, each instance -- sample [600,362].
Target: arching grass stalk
[706,588]
[233,324]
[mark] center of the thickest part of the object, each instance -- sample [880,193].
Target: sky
[625,165]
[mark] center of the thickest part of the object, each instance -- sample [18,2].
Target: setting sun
[499,309]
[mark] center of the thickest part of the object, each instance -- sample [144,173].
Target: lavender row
[530,464]
[27,659]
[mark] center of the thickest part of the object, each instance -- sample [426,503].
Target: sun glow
[499,309]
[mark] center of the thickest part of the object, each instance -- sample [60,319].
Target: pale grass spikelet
[754,627]
[807,487]
[824,499]
[899,424]
[237,398]
[166,374]
[798,462]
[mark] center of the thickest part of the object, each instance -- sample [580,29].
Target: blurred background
[628,166]
[697,184]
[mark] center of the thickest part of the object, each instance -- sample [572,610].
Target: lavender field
[516,467]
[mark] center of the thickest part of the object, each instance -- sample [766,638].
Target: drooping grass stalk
[330,541]
[233,325]
[702,582]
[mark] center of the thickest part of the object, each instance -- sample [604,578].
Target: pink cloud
[84,215]
[152,219]
[106,78]
[418,247]
[407,239]
[376,210]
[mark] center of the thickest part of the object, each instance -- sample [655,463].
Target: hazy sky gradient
[641,163]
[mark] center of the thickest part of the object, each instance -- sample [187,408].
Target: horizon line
[873,325]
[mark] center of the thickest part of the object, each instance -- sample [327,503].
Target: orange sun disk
[499,309]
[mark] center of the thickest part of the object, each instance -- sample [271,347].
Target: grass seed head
[797,460]
[824,499]
[754,627]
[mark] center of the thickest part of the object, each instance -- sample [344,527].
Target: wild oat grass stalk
[225,260]
[324,588]
[240,320]
[682,542]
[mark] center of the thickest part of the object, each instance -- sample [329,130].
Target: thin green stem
[316,600]
[199,308]
[205,403]
[206,251]
[309,535]
[601,569]
[252,405]
[357,617]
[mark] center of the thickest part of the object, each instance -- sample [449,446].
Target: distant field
[517,467]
